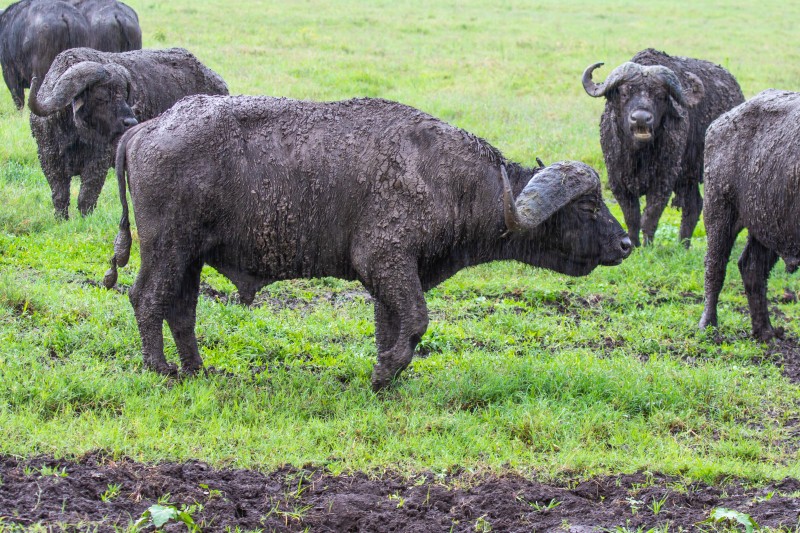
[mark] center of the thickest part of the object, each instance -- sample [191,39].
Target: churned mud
[81,495]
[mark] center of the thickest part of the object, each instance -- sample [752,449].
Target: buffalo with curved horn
[652,130]
[266,189]
[89,99]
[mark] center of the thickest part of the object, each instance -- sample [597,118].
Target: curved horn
[551,189]
[509,208]
[70,84]
[617,76]
[670,79]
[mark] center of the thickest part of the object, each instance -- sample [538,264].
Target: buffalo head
[98,95]
[642,95]
[560,221]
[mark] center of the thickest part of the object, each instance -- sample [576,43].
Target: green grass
[525,370]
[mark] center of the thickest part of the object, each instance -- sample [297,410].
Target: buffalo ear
[693,89]
[552,188]
[77,104]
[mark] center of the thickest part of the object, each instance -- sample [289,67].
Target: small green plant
[157,515]
[731,516]
[397,498]
[112,491]
[656,505]
[765,498]
[635,504]
[46,471]
[211,493]
[541,507]
[482,525]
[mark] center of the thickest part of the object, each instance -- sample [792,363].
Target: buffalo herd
[266,189]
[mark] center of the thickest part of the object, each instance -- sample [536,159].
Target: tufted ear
[548,191]
[693,89]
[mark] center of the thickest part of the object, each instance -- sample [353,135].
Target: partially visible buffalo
[32,34]
[89,98]
[752,174]
[114,25]
[657,110]
[267,189]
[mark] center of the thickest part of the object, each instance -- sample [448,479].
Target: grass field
[524,370]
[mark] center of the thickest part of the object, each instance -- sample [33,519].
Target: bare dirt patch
[43,490]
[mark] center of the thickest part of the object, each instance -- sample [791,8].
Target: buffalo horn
[70,84]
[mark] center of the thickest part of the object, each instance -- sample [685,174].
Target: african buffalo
[114,25]
[657,110]
[266,189]
[32,34]
[89,98]
[752,168]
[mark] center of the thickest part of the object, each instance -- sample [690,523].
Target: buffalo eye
[588,207]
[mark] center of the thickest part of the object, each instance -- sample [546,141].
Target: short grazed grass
[521,369]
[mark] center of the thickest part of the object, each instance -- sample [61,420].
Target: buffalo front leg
[59,190]
[629,203]
[401,320]
[690,212]
[387,326]
[656,203]
[92,179]
[755,264]
[181,318]
[721,237]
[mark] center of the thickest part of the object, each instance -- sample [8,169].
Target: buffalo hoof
[166,369]
[707,322]
[766,334]
[381,379]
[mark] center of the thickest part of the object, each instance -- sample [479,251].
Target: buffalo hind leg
[152,295]
[181,318]
[401,320]
[755,264]
[721,237]
[692,204]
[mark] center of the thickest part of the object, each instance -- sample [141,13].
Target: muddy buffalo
[89,99]
[114,26]
[658,108]
[32,34]
[266,189]
[752,167]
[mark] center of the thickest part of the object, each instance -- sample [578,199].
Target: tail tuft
[110,279]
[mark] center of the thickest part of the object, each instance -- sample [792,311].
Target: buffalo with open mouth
[658,108]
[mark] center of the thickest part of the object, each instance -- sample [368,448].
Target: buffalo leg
[387,325]
[755,265]
[57,175]
[629,204]
[656,203]
[152,295]
[59,189]
[15,85]
[692,204]
[181,318]
[92,180]
[721,237]
[401,314]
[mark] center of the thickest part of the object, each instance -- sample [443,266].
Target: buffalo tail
[123,240]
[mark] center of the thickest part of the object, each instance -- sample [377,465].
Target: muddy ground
[62,493]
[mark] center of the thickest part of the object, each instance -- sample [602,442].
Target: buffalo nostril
[130,122]
[626,246]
